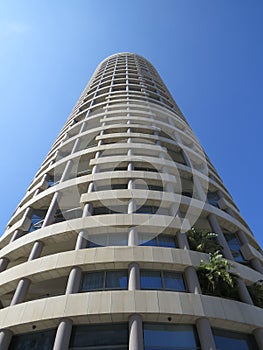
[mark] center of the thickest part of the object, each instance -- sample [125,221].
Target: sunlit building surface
[104,250]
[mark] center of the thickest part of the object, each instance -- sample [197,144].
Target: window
[101,337]
[212,198]
[104,280]
[112,210]
[172,337]
[147,209]
[166,280]
[145,186]
[234,245]
[37,219]
[161,240]
[226,340]
[109,239]
[42,340]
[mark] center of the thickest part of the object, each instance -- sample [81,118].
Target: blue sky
[209,54]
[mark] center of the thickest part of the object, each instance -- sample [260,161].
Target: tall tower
[100,253]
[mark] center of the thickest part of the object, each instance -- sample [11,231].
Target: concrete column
[81,242]
[36,250]
[136,333]
[199,189]
[220,236]
[242,237]
[192,280]
[243,292]
[5,338]
[256,264]
[186,159]
[17,234]
[66,172]
[3,264]
[75,146]
[21,291]
[205,334]
[132,236]
[74,280]
[258,333]
[63,334]
[131,184]
[173,210]
[130,167]
[134,276]
[87,210]
[49,218]
[182,240]
[131,206]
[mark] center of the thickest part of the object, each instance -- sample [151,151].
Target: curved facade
[97,255]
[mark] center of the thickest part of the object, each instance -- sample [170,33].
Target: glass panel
[225,340]
[164,337]
[34,341]
[118,239]
[166,241]
[151,280]
[37,219]
[93,281]
[173,281]
[117,279]
[234,246]
[107,336]
[212,198]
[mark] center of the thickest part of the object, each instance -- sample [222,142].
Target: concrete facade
[125,174]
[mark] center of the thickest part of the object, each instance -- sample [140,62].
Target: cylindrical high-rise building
[104,250]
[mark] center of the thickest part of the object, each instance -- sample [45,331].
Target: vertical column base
[258,333]
[21,291]
[63,334]
[136,333]
[134,276]
[5,339]
[205,334]
[192,280]
[74,278]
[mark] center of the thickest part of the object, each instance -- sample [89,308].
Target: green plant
[256,292]
[203,241]
[215,278]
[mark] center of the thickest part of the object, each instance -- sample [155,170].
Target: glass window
[166,241]
[234,246]
[212,198]
[37,219]
[169,337]
[109,239]
[226,340]
[166,280]
[101,337]
[93,281]
[151,280]
[147,209]
[116,280]
[173,281]
[161,240]
[102,280]
[34,341]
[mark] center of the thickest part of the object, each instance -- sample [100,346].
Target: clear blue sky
[209,53]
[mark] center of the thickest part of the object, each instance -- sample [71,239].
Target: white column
[134,276]
[136,332]
[21,291]
[205,334]
[5,339]
[63,334]
[192,280]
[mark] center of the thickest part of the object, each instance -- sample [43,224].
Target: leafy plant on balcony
[256,292]
[215,277]
[203,241]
